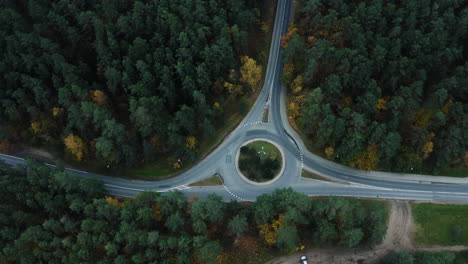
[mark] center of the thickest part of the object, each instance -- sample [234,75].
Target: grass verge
[441,224]
[311,175]
[212,181]
[269,148]
[454,172]
[265,116]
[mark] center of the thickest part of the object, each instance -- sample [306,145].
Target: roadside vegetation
[54,217]
[311,175]
[440,224]
[128,83]
[381,85]
[260,161]
[426,258]
[212,181]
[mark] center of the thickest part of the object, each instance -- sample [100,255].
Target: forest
[121,82]
[381,85]
[426,258]
[50,216]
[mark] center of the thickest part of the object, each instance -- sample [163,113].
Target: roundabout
[260,161]
[295,157]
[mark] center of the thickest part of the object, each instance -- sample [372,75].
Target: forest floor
[399,234]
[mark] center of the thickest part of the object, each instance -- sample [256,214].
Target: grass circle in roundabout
[260,161]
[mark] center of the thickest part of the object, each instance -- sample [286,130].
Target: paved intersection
[350,182]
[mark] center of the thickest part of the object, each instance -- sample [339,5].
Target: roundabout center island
[260,162]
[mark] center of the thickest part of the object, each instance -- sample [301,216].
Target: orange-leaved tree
[99,97]
[427,149]
[292,30]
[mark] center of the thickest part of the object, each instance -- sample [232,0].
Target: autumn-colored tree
[422,118]
[293,110]
[381,103]
[36,127]
[269,231]
[176,165]
[76,146]
[57,111]
[251,73]
[329,151]
[296,85]
[233,88]
[292,30]
[190,142]
[347,102]
[299,99]
[310,41]
[99,97]
[157,211]
[217,106]
[288,73]
[368,160]
[114,202]
[427,149]
[265,28]
[446,107]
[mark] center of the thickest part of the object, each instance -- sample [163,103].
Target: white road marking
[13,157]
[74,170]
[121,187]
[235,196]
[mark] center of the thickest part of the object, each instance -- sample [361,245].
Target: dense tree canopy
[426,258]
[131,80]
[382,83]
[50,216]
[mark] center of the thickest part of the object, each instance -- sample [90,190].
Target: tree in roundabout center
[259,161]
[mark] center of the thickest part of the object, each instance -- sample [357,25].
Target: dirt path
[398,237]
[39,154]
[34,152]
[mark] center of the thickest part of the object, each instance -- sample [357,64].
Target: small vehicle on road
[303,260]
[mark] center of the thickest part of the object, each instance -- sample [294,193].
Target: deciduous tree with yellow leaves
[296,85]
[269,231]
[190,142]
[251,73]
[368,160]
[293,110]
[114,202]
[329,151]
[233,88]
[76,146]
[427,149]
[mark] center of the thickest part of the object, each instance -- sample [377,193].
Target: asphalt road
[353,183]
